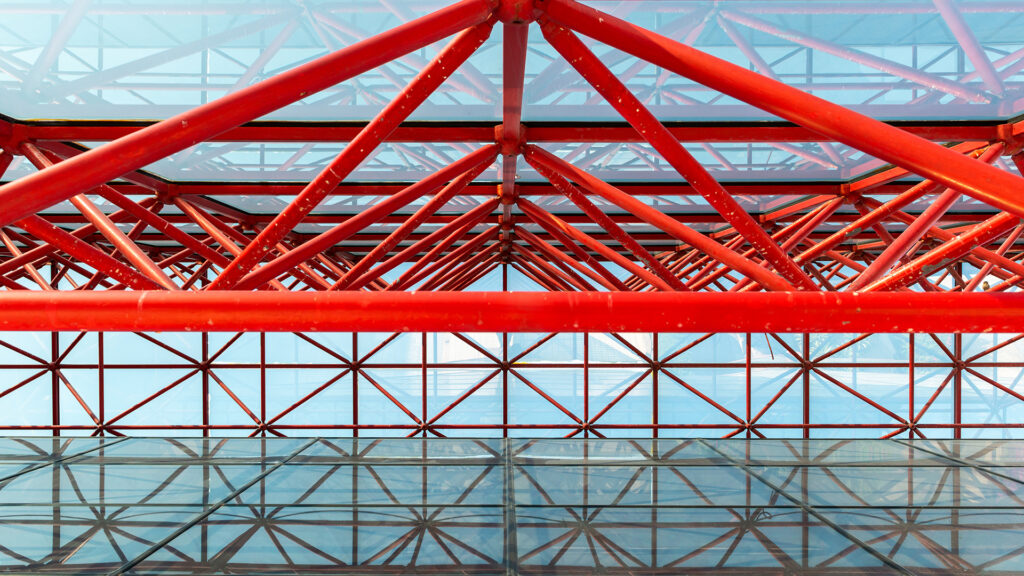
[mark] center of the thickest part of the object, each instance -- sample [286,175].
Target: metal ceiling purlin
[190,259]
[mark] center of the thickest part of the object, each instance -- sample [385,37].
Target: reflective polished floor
[445,506]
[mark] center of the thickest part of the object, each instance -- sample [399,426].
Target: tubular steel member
[763,276]
[87,253]
[447,234]
[37,191]
[418,90]
[365,218]
[609,225]
[106,227]
[444,237]
[550,222]
[914,231]
[976,179]
[946,253]
[350,281]
[235,311]
[634,111]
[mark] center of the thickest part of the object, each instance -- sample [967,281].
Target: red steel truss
[840,257]
[925,239]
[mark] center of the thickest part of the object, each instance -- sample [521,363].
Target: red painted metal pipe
[132,252]
[985,183]
[37,191]
[351,279]
[444,264]
[914,231]
[557,255]
[447,234]
[143,214]
[370,215]
[763,276]
[519,312]
[945,254]
[455,132]
[86,253]
[438,241]
[987,267]
[604,221]
[634,111]
[549,221]
[419,89]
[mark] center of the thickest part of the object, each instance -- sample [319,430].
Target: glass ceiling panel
[136,59]
[726,161]
[528,506]
[133,59]
[301,162]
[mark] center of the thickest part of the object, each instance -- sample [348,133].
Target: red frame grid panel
[513,384]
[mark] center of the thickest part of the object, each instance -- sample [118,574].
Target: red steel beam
[106,226]
[350,281]
[365,218]
[512,312]
[85,252]
[30,270]
[658,219]
[515,35]
[634,111]
[154,220]
[415,93]
[604,221]
[985,183]
[447,234]
[947,253]
[582,132]
[37,191]
[550,222]
[567,264]
[916,229]
[425,268]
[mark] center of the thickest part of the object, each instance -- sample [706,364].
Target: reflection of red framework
[809,245]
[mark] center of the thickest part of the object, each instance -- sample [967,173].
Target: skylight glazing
[337,506]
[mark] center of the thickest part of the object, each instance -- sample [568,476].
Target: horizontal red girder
[85,131]
[513,312]
[488,189]
[574,218]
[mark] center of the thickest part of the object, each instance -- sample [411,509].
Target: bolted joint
[508,197]
[511,144]
[517,11]
[168,194]
[1012,137]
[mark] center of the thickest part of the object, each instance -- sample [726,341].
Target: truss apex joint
[518,11]
[510,144]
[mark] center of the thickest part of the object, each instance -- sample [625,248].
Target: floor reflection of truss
[92,505]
